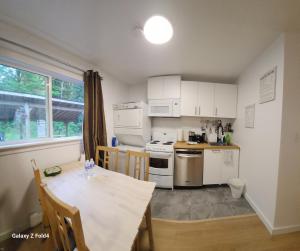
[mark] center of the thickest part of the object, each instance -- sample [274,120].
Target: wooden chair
[38,182]
[108,151]
[146,224]
[65,220]
[138,157]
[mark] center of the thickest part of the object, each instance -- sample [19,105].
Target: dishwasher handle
[189,155]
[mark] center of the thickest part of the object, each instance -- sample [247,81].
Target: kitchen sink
[218,144]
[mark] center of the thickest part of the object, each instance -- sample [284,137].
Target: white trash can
[237,187]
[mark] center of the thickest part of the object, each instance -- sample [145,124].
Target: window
[28,112]
[67,108]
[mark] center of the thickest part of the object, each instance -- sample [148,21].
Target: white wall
[138,92]
[260,146]
[288,197]
[113,92]
[198,125]
[18,195]
[17,192]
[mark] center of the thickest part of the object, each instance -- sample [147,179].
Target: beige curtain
[94,128]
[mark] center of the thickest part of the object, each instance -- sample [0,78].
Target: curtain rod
[42,54]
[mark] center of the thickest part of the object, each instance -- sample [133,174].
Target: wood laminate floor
[238,233]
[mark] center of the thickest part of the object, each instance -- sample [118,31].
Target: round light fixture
[158,30]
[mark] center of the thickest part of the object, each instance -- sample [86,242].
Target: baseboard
[259,213]
[285,229]
[272,230]
[7,234]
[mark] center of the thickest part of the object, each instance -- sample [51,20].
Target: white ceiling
[214,40]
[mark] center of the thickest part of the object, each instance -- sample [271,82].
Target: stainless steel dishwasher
[188,167]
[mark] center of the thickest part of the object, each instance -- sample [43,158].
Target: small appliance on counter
[180,135]
[196,138]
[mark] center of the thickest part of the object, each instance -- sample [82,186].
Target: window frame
[48,107]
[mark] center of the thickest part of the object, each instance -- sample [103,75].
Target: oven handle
[160,155]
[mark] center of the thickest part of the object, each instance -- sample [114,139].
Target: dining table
[111,204]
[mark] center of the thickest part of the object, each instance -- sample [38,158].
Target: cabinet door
[213,161]
[171,87]
[189,98]
[130,118]
[206,99]
[225,100]
[155,88]
[230,167]
[116,116]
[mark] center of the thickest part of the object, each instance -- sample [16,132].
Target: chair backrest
[65,220]
[37,175]
[138,157]
[107,154]
[38,182]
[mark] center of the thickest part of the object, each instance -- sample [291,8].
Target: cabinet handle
[199,109]
[216,111]
[216,151]
[195,110]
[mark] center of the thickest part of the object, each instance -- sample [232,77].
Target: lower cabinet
[220,165]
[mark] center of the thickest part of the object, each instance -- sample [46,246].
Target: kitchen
[195,101]
[190,127]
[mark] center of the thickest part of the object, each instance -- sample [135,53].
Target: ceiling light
[158,30]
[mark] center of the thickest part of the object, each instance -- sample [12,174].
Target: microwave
[164,108]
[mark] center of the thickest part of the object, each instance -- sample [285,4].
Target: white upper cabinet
[172,86]
[225,100]
[164,87]
[197,99]
[189,98]
[204,99]
[155,88]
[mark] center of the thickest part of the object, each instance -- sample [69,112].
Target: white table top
[111,204]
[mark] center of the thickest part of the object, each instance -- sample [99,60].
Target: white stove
[160,146]
[161,150]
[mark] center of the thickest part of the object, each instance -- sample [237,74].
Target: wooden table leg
[149,227]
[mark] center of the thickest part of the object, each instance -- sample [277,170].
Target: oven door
[161,163]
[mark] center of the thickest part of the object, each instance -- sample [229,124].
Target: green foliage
[67,90]
[9,130]
[24,82]
[19,81]
[59,129]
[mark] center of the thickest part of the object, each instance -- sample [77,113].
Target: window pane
[23,113]
[67,107]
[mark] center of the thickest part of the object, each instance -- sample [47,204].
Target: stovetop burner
[157,142]
[154,142]
[168,143]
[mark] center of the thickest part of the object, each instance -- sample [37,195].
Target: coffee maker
[198,138]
